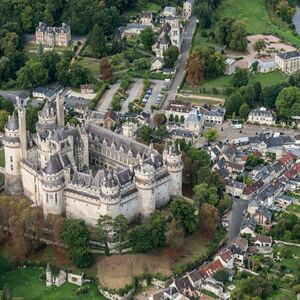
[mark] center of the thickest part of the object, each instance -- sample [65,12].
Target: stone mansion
[86,171]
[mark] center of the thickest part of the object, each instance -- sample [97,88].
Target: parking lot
[105,101]
[155,95]
[134,91]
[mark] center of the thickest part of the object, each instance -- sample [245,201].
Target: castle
[86,171]
[53,36]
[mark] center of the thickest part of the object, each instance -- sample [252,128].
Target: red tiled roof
[110,114]
[205,297]
[226,255]
[262,238]
[293,171]
[211,268]
[253,187]
[287,158]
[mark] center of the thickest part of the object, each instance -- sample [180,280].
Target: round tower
[48,276]
[53,184]
[144,180]
[12,153]
[110,195]
[129,129]
[174,165]
[46,118]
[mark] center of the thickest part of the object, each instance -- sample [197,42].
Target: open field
[200,100]
[118,270]
[256,16]
[294,208]
[90,63]
[26,283]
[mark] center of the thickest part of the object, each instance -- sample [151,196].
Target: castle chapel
[86,171]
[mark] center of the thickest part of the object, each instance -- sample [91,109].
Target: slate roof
[289,54]
[250,223]
[183,284]
[239,246]
[195,275]
[262,239]
[54,165]
[181,133]
[13,123]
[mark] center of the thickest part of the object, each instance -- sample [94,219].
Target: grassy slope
[294,208]
[26,283]
[255,14]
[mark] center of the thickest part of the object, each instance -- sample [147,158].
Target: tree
[288,102]
[294,79]
[223,30]
[3,119]
[233,103]
[32,75]
[144,134]
[270,93]
[209,218]
[171,118]
[97,41]
[238,36]
[222,276]
[181,119]
[142,63]
[120,226]
[257,90]
[239,78]
[159,119]
[211,134]
[184,214]
[81,256]
[260,45]
[75,233]
[171,56]
[140,239]
[79,75]
[147,37]
[244,111]
[49,60]
[105,69]
[203,193]
[62,72]
[176,119]
[157,226]
[174,235]
[194,69]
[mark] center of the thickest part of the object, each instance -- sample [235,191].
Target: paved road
[235,222]
[184,52]
[104,103]
[134,91]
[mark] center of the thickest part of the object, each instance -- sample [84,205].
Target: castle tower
[22,130]
[175,31]
[110,195]
[48,276]
[12,152]
[144,179]
[85,139]
[46,118]
[174,166]
[60,113]
[53,185]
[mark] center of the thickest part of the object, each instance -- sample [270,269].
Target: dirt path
[201,97]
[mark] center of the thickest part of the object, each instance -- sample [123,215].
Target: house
[132,29]
[110,119]
[156,64]
[143,118]
[87,88]
[252,189]
[226,258]
[208,270]
[181,134]
[234,188]
[262,241]
[163,41]
[194,122]
[248,226]
[44,93]
[195,278]
[252,207]
[178,109]
[263,216]
[53,36]
[261,116]
[288,62]
[239,250]
[214,115]
[284,200]
[188,7]
[288,160]
[234,168]
[146,18]
[266,66]
[216,287]
[230,66]
[184,286]
[169,11]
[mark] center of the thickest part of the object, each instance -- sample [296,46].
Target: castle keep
[86,171]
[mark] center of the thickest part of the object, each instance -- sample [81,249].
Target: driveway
[134,91]
[184,52]
[236,219]
[105,101]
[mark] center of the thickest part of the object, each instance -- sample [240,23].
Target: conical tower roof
[13,123]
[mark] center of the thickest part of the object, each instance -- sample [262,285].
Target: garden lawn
[2,158]
[25,283]
[256,16]
[91,64]
[294,208]
[280,295]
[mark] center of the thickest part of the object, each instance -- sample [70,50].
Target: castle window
[11,167]
[11,159]
[55,198]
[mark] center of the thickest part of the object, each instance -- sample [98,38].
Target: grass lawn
[26,283]
[2,158]
[256,16]
[197,101]
[91,64]
[281,295]
[294,208]
[152,7]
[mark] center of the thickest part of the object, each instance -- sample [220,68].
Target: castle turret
[48,275]
[53,185]
[46,118]
[110,195]
[22,131]
[60,114]
[174,166]
[144,179]
[12,152]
